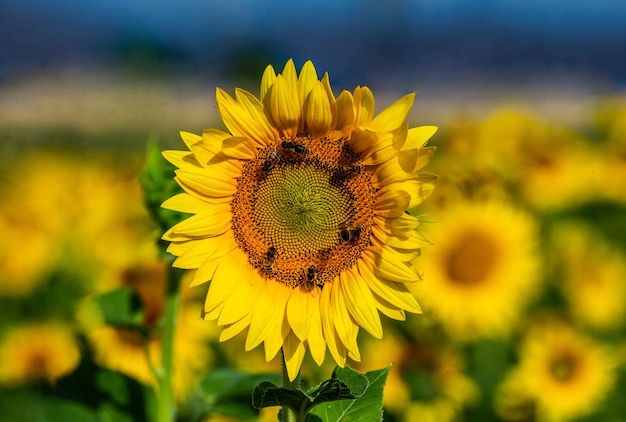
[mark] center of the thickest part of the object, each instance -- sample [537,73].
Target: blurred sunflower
[300,217]
[482,268]
[561,376]
[134,352]
[593,276]
[37,352]
[552,178]
[427,381]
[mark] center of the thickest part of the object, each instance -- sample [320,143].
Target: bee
[295,147]
[348,170]
[311,276]
[270,160]
[351,234]
[268,261]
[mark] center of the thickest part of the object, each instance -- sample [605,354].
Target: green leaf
[228,392]
[122,308]
[345,384]
[366,407]
[267,394]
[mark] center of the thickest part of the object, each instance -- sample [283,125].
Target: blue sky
[366,36]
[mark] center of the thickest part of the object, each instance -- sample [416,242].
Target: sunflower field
[519,256]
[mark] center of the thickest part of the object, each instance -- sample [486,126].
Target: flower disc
[302,218]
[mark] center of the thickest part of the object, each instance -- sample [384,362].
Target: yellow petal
[390,171]
[363,140]
[190,138]
[306,80]
[363,105]
[268,312]
[299,311]
[231,330]
[389,310]
[397,294]
[345,115]
[267,80]
[198,252]
[206,181]
[361,304]
[275,340]
[239,147]
[181,158]
[318,114]
[240,304]
[294,354]
[397,226]
[347,329]
[238,119]
[387,147]
[393,116]
[205,273]
[409,240]
[213,314]
[417,190]
[335,346]
[389,266]
[316,341]
[290,76]
[209,223]
[392,203]
[212,139]
[255,108]
[205,187]
[228,275]
[285,108]
[183,202]
[418,136]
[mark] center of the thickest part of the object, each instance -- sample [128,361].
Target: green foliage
[227,392]
[121,308]
[157,180]
[348,395]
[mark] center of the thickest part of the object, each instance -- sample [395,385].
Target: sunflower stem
[288,414]
[166,410]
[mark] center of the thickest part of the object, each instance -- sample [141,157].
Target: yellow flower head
[482,268]
[593,276]
[46,352]
[300,222]
[427,381]
[132,352]
[563,373]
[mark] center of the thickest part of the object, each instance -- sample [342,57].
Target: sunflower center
[563,367]
[303,210]
[472,259]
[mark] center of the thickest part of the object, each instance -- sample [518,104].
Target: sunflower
[482,269]
[300,219]
[38,352]
[593,274]
[135,352]
[427,381]
[562,375]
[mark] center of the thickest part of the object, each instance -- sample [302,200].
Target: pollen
[303,210]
